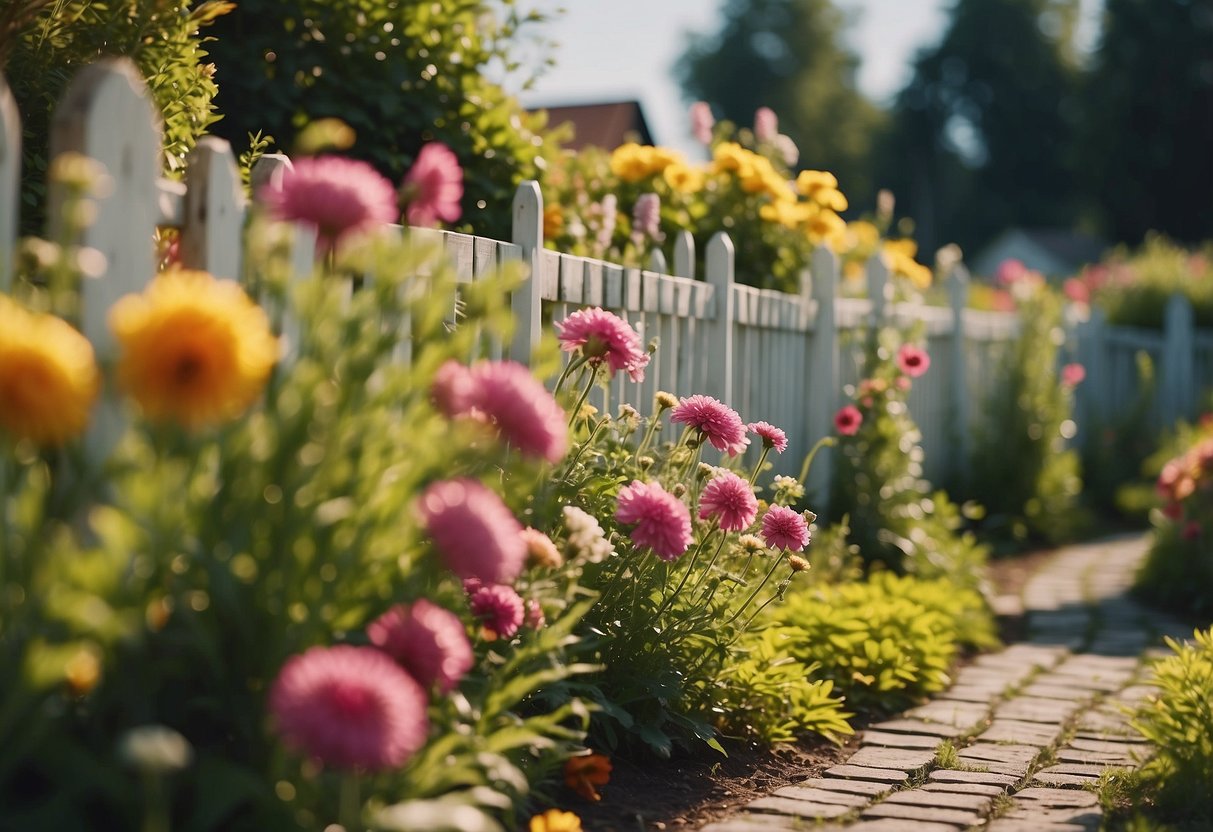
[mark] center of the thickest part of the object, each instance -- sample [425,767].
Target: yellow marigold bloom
[778,188]
[629,162]
[683,178]
[905,247]
[810,182]
[195,350]
[756,178]
[866,234]
[660,158]
[48,376]
[730,157]
[831,198]
[787,214]
[553,221]
[822,224]
[554,820]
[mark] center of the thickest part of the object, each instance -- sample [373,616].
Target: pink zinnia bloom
[766,124]
[350,707]
[428,640]
[499,608]
[718,422]
[912,360]
[1010,270]
[702,122]
[847,420]
[662,522]
[729,499]
[526,414]
[783,528]
[453,390]
[433,187]
[474,531]
[1073,374]
[602,335]
[338,197]
[772,437]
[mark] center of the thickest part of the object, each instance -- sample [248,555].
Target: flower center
[349,700]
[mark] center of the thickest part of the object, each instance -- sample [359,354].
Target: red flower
[582,774]
[912,360]
[847,420]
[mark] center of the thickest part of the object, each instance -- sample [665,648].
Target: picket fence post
[879,288]
[684,254]
[1178,374]
[822,386]
[528,235]
[268,169]
[211,236]
[719,272]
[10,181]
[960,414]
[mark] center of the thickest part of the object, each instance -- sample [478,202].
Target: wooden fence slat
[824,383]
[572,278]
[720,274]
[214,207]
[612,278]
[528,235]
[10,181]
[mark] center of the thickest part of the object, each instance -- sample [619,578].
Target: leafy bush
[1178,723]
[1023,473]
[884,642]
[1134,287]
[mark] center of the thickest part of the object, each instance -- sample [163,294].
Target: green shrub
[1134,287]
[885,642]
[1178,723]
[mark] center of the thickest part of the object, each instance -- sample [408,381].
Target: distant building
[606,125]
[1054,252]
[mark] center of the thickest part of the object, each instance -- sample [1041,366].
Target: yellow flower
[195,350]
[554,820]
[900,254]
[82,671]
[787,214]
[823,224]
[48,376]
[810,182]
[865,234]
[553,222]
[683,178]
[831,198]
[730,157]
[629,162]
[660,158]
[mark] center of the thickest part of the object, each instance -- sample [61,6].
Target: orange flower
[582,774]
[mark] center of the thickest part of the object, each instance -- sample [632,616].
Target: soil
[688,792]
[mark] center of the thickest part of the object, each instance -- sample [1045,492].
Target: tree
[1148,118]
[786,55]
[982,134]
[400,72]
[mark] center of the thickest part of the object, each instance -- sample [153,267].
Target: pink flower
[1076,290]
[601,335]
[1009,271]
[766,124]
[534,615]
[702,122]
[646,218]
[540,549]
[525,413]
[350,707]
[662,523]
[729,499]
[338,197]
[428,640]
[912,360]
[433,187]
[499,608]
[718,422]
[474,531]
[783,528]
[1073,374]
[847,420]
[772,437]
[453,390]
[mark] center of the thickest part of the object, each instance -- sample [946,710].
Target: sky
[626,49]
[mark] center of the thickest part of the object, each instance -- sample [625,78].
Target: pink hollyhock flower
[453,390]
[1073,374]
[783,528]
[718,422]
[428,640]
[534,615]
[350,707]
[766,124]
[499,608]
[912,360]
[847,420]
[729,499]
[338,197]
[602,335]
[646,218]
[525,413]
[433,187]
[661,521]
[474,531]
[772,437]
[1009,271]
[702,122]
[1076,290]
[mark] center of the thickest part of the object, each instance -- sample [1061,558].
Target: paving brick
[798,808]
[895,825]
[1107,746]
[918,726]
[999,753]
[960,714]
[1084,769]
[1074,755]
[894,758]
[1058,781]
[1034,709]
[823,796]
[944,775]
[1083,818]
[1017,731]
[893,740]
[956,817]
[1103,720]
[758,823]
[964,788]
[837,784]
[1016,825]
[1045,691]
[878,775]
[943,800]
[1057,798]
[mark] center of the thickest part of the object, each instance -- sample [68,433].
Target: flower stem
[758,467]
[757,590]
[585,394]
[350,805]
[823,442]
[568,369]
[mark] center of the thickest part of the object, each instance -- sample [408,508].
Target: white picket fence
[773,356]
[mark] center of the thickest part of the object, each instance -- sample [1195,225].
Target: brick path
[1032,726]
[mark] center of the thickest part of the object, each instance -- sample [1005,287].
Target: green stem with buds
[823,442]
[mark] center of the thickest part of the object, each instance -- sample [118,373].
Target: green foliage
[884,642]
[1023,472]
[1115,448]
[401,74]
[1134,287]
[896,517]
[1178,724]
[55,40]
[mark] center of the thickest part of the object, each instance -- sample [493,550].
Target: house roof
[1054,251]
[606,125]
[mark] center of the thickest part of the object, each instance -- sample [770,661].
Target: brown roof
[605,125]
